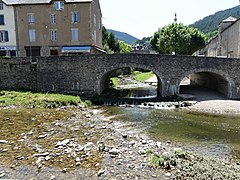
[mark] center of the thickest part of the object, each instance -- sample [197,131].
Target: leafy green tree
[124,47]
[177,38]
[154,40]
[112,45]
[211,34]
[104,36]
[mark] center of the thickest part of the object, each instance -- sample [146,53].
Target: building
[227,42]
[8,44]
[57,27]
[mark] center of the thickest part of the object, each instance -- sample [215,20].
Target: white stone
[63,143]
[114,151]
[3,141]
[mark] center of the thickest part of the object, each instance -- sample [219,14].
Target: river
[215,136]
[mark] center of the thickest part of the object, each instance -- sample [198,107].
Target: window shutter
[6,36]
[78,17]
[72,17]
[1,19]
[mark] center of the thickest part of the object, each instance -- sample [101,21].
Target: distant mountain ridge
[122,36]
[211,22]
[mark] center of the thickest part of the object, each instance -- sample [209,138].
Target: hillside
[211,22]
[127,38]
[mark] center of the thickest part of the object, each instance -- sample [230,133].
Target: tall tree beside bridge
[112,45]
[177,38]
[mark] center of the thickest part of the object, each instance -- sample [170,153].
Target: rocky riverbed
[90,144]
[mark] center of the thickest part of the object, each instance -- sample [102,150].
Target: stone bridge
[90,74]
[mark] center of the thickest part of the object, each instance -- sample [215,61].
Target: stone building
[227,42]
[57,27]
[8,44]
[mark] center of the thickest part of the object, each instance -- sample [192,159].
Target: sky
[141,18]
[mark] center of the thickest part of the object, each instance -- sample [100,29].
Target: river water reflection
[208,135]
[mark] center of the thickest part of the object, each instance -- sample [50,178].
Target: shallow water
[213,136]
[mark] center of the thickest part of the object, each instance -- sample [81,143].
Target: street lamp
[174,43]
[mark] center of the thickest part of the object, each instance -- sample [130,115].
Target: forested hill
[211,22]
[127,38]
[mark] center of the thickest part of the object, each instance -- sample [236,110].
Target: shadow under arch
[104,77]
[213,79]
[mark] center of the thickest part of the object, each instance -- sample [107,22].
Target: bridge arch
[210,78]
[104,77]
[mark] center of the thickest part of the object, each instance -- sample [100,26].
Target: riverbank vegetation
[40,100]
[135,75]
[142,76]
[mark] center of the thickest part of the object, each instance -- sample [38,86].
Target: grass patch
[142,76]
[114,81]
[41,100]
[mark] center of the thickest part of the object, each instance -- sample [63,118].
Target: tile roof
[17,2]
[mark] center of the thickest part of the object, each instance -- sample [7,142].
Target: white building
[8,41]
[227,42]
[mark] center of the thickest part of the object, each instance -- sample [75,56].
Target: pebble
[2,175]
[47,158]
[89,146]
[64,170]
[100,172]
[53,177]
[42,154]
[125,136]
[144,141]
[78,159]
[42,136]
[63,143]
[114,151]
[3,142]
[4,150]
[168,174]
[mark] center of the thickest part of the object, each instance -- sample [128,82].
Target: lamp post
[174,43]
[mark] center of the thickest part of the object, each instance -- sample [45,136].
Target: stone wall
[89,74]
[18,73]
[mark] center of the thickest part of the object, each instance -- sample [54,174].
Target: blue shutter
[78,17]
[1,19]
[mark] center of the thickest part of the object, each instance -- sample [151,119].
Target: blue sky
[141,18]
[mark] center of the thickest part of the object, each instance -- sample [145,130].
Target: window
[75,34]
[75,17]
[53,35]
[59,5]
[99,24]
[53,18]
[31,18]
[94,20]
[53,52]
[1,6]
[95,36]
[2,20]
[4,36]
[32,35]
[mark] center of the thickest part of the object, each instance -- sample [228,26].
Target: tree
[112,45]
[177,38]
[124,47]
[154,40]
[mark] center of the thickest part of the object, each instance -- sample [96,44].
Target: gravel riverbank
[111,150]
[221,107]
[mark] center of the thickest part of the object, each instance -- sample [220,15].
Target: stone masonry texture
[89,74]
